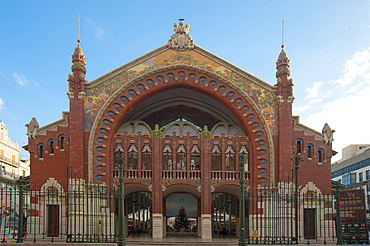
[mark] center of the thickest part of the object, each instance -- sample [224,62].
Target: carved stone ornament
[328,134]
[32,128]
[181,40]
[81,95]
[280,99]
[290,99]
[70,95]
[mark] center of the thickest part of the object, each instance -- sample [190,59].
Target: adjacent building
[354,167]
[12,166]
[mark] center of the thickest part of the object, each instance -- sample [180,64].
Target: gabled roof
[307,131]
[200,53]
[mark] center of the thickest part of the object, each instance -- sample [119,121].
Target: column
[206,223]
[157,200]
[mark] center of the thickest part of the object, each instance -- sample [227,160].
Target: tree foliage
[181,220]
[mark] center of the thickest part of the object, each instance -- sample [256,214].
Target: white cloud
[1,104]
[99,32]
[344,106]
[347,116]
[358,67]
[298,110]
[317,100]
[20,79]
[314,91]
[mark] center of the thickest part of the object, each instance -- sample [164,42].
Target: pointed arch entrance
[237,106]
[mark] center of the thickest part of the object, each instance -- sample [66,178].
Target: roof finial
[282,35]
[78,40]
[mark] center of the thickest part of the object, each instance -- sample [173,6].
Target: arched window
[51,144]
[62,142]
[320,154]
[309,148]
[195,157]
[299,144]
[229,158]
[181,158]
[146,157]
[41,149]
[167,158]
[216,158]
[244,152]
[132,157]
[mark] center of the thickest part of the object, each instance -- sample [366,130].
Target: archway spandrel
[124,100]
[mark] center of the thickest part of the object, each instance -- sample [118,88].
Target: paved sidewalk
[145,240]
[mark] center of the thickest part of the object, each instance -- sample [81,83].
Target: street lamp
[121,203]
[242,203]
[296,158]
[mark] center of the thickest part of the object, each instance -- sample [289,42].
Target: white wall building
[12,167]
[354,167]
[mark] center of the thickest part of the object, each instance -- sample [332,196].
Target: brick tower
[285,99]
[76,94]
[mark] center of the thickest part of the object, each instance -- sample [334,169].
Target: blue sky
[328,43]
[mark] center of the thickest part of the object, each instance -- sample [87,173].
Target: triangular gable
[99,90]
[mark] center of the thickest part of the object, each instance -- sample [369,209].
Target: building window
[229,158]
[51,143]
[41,151]
[132,157]
[320,154]
[349,178]
[2,153]
[309,151]
[244,154]
[367,174]
[167,158]
[216,158]
[181,158]
[13,159]
[195,158]
[299,144]
[24,173]
[62,142]
[146,157]
[360,177]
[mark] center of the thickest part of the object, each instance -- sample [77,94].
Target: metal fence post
[242,203]
[121,207]
[335,187]
[20,214]
[297,158]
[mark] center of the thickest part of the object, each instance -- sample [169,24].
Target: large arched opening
[176,126]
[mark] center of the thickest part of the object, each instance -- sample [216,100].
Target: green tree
[181,220]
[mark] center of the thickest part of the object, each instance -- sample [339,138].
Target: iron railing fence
[86,212]
[83,213]
[270,216]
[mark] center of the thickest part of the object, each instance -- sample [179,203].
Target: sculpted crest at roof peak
[181,40]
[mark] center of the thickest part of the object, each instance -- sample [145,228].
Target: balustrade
[146,174]
[230,175]
[195,174]
[167,174]
[216,175]
[181,174]
[132,173]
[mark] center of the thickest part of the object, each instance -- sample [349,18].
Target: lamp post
[242,203]
[121,203]
[335,187]
[296,158]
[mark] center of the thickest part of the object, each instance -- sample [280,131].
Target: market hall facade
[184,120]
